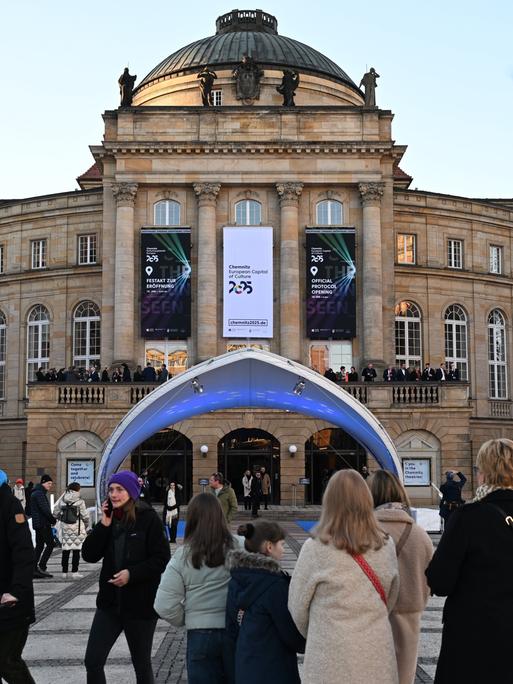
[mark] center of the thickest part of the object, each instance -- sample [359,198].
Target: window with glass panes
[217,98]
[329,213]
[495,259]
[38,254]
[3,339]
[405,248]
[408,321]
[455,332]
[87,249]
[455,253]
[86,335]
[38,341]
[167,213]
[2,258]
[497,358]
[248,213]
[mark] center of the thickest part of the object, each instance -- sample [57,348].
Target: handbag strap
[374,579]
[508,519]
[403,539]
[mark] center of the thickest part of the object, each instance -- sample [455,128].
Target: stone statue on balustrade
[206,84]
[288,87]
[369,83]
[247,77]
[126,88]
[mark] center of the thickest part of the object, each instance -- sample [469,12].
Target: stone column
[124,279]
[290,300]
[372,273]
[207,270]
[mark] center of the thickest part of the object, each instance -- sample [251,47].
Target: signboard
[166,283]
[248,282]
[81,470]
[417,472]
[331,285]
[203,481]
[304,480]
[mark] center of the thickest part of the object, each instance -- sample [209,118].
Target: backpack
[69,513]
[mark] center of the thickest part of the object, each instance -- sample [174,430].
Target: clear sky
[446,72]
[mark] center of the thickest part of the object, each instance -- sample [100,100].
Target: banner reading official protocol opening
[166,283]
[248,282]
[331,291]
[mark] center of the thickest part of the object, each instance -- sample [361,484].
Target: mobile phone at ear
[108,512]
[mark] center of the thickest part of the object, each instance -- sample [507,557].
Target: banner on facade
[248,282]
[166,283]
[331,287]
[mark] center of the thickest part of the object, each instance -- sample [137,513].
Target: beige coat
[344,620]
[414,557]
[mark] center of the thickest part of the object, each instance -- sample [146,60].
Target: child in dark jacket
[257,618]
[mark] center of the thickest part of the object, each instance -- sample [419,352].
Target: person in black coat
[149,374]
[473,567]
[451,494]
[16,591]
[42,521]
[256,493]
[131,541]
[369,373]
[428,374]
[257,617]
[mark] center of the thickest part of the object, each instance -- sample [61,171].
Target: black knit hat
[46,478]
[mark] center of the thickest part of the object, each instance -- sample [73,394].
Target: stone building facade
[434,274]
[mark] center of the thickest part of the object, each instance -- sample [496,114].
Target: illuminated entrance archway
[248,378]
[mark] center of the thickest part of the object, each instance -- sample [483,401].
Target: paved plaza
[65,609]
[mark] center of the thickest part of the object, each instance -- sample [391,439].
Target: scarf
[171,503]
[485,489]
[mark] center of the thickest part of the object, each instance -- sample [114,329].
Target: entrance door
[243,450]
[167,456]
[326,452]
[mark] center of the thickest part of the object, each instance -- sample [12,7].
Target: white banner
[416,472]
[248,282]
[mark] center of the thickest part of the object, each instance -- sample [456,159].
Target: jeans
[12,666]
[210,657]
[75,560]
[44,540]
[247,503]
[173,528]
[106,627]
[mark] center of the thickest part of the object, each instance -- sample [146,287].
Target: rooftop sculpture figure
[247,75]
[369,83]
[206,84]
[289,84]
[126,88]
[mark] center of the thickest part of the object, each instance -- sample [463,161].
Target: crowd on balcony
[401,373]
[120,373]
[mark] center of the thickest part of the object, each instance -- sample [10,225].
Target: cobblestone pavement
[65,609]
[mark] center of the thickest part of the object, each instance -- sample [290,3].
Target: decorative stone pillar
[290,334]
[372,273]
[124,280]
[207,268]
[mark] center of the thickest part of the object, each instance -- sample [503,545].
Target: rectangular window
[87,249]
[495,259]
[406,249]
[455,253]
[2,259]
[331,355]
[217,96]
[38,252]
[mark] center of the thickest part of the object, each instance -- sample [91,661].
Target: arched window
[248,213]
[329,213]
[38,341]
[3,333]
[167,213]
[86,335]
[455,331]
[408,348]
[497,358]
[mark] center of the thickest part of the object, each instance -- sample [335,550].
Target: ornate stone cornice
[125,193]
[289,192]
[371,193]
[207,192]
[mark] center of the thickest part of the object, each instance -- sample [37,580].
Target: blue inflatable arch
[242,379]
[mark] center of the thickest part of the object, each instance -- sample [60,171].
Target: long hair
[207,536]
[385,488]
[347,518]
[495,461]
[260,532]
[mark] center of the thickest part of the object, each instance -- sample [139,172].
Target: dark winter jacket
[473,567]
[16,561]
[258,620]
[144,553]
[40,509]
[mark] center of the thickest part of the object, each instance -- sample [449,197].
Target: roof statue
[247,75]
[289,84]
[126,88]
[369,83]
[206,84]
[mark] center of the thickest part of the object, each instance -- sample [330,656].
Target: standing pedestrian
[193,591]
[266,486]
[28,493]
[71,511]
[225,494]
[130,541]
[171,512]
[451,494]
[42,521]
[19,492]
[256,494]
[16,591]
[414,550]
[343,587]
[246,486]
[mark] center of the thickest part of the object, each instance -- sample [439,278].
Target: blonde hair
[495,461]
[347,518]
[386,488]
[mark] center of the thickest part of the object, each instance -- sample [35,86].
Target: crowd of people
[402,373]
[353,604]
[94,373]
